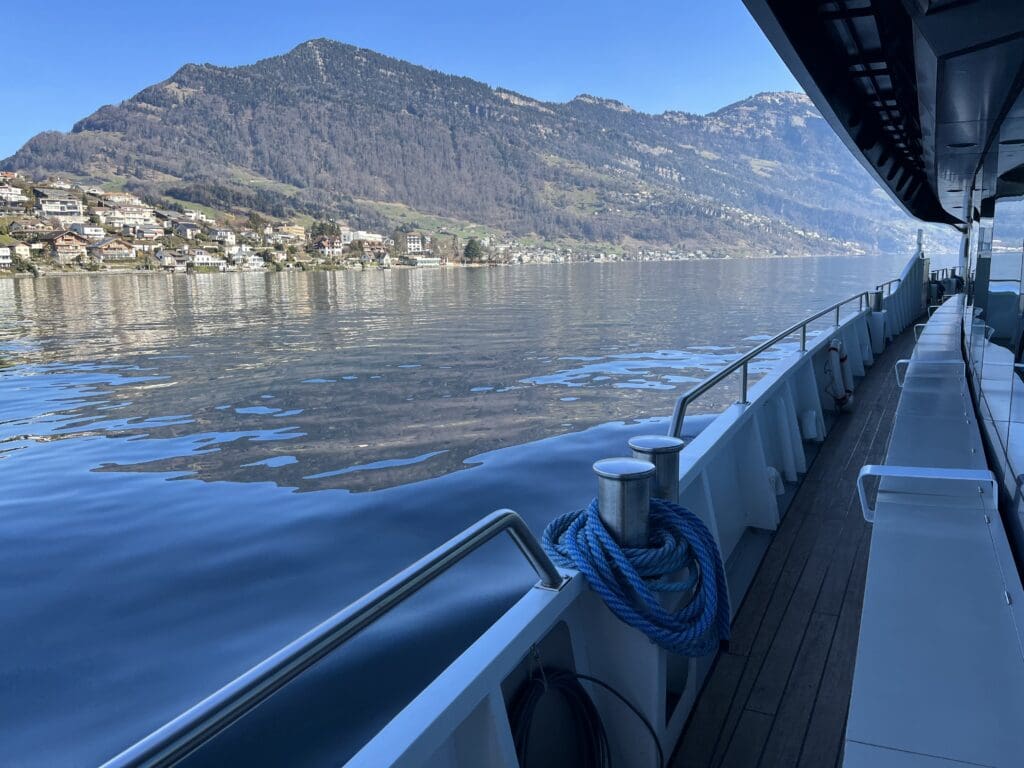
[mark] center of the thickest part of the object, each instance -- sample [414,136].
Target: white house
[55,204]
[131,216]
[6,262]
[201,259]
[90,231]
[414,243]
[117,199]
[22,251]
[329,247]
[223,235]
[252,263]
[11,194]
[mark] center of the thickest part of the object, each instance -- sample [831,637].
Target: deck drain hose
[629,579]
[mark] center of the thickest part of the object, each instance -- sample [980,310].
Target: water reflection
[355,375]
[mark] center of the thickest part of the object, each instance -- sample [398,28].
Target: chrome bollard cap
[623,468]
[656,444]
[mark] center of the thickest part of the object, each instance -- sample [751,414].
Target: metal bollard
[624,498]
[663,452]
[876,301]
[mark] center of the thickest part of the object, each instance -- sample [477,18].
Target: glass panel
[1007,244]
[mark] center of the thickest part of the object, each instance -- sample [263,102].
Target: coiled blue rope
[629,579]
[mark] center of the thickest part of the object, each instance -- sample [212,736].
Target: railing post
[876,301]
[803,337]
[837,316]
[624,498]
[675,429]
[743,386]
[663,453]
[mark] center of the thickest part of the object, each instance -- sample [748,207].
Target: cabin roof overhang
[925,93]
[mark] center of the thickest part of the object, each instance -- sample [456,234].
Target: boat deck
[779,695]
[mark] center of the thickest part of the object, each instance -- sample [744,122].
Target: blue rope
[628,579]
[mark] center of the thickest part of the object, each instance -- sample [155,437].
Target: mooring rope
[629,579]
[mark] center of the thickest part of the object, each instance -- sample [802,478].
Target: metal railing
[190,730]
[900,297]
[887,285]
[742,363]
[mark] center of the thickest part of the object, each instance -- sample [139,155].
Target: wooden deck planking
[779,695]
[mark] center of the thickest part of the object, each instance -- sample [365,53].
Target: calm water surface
[196,469]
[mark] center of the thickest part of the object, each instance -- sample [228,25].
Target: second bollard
[663,452]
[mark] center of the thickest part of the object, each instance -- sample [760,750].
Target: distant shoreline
[404,268]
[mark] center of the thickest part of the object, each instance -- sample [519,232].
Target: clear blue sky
[71,58]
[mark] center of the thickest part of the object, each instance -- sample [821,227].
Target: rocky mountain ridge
[333,130]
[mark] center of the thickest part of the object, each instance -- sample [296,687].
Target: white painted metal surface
[939,677]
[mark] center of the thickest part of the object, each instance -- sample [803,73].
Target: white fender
[847,376]
[838,369]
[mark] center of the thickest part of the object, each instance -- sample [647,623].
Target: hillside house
[329,247]
[60,205]
[6,260]
[91,231]
[22,251]
[147,232]
[111,249]
[252,262]
[27,228]
[290,232]
[201,259]
[129,216]
[414,243]
[172,261]
[117,199]
[11,194]
[223,235]
[198,216]
[66,247]
[187,229]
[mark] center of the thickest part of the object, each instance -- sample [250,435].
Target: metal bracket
[906,362]
[982,476]
[917,332]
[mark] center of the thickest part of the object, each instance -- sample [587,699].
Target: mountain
[330,129]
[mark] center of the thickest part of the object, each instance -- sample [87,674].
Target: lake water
[197,469]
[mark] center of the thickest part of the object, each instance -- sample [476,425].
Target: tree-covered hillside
[330,129]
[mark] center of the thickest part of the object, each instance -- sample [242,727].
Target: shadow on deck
[779,696]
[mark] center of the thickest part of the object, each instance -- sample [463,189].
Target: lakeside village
[55,227]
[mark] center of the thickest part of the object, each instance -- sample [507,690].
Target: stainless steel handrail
[742,362]
[196,726]
[888,285]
